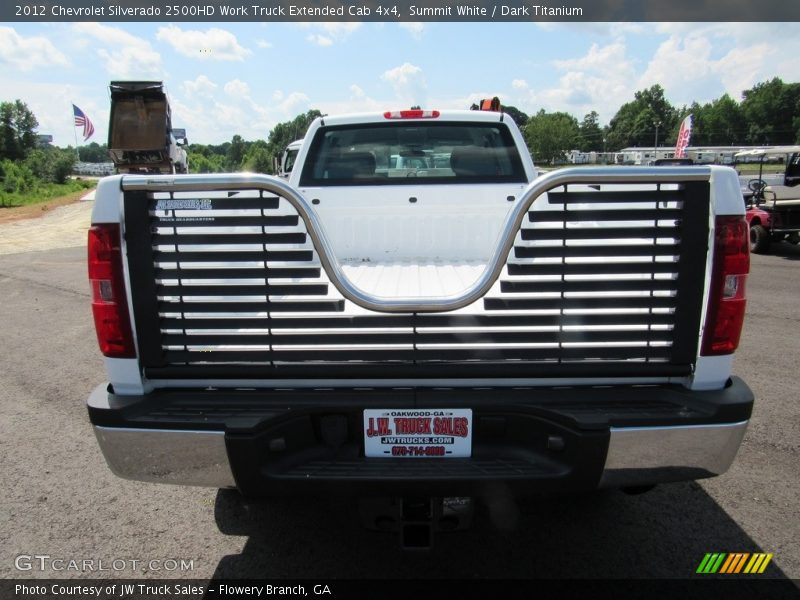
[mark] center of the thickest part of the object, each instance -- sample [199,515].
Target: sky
[243,78]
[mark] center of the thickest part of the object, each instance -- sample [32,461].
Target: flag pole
[77,154]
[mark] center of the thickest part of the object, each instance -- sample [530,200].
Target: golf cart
[772,211]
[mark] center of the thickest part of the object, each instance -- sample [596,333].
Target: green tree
[17,130]
[235,153]
[551,135]
[716,123]
[772,112]
[256,159]
[288,131]
[63,163]
[637,122]
[591,134]
[205,163]
[94,153]
[520,118]
[53,165]
[15,178]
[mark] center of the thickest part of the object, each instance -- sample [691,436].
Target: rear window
[398,154]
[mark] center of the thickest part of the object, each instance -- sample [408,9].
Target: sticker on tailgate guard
[418,433]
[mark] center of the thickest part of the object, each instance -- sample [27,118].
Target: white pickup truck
[447,326]
[284,164]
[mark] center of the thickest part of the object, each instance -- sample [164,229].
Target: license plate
[418,433]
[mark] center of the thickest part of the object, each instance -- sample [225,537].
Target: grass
[752,168]
[9,214]
[742,168]
[46,192]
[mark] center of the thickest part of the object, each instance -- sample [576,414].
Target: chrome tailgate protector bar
[421,304]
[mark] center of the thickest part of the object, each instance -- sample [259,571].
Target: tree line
[25,164]
[256,156]
[768,114]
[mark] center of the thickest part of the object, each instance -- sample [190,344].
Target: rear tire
[759,239]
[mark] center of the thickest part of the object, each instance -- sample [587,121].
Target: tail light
[411,114]
[727,297]
[109,304]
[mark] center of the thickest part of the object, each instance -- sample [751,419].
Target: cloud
[742,68]
[357,91]
[598,58]
[212,120]
[319,40]
[263,44]
[295,102]
[602,79]
[237,88]
[408,82]
[213,113]
[702,61]
[125,55]
[416,29]
[353,104]
[327,34]
[339,30]
[606,29]
[212,44]
[201,86]
[28,53]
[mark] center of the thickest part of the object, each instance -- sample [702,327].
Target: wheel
[759,239]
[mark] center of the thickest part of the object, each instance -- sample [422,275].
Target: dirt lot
[58,224]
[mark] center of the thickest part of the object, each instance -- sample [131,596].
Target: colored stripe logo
[734,563]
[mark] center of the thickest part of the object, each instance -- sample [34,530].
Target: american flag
[81,120]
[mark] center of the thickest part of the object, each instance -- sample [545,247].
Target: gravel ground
[62,227]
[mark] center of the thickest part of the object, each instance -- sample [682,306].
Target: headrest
[351,164]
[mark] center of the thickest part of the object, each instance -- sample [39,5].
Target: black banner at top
[259,11]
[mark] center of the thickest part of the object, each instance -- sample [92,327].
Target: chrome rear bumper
[167,456]
[636,455]
[648,455]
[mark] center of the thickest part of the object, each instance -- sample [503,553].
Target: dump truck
[140,134]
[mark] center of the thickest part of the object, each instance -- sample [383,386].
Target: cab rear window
[412,153]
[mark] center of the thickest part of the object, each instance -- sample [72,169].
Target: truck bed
[404,279]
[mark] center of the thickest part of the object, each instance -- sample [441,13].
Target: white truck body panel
[274,315]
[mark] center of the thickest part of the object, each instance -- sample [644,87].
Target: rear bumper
[526,440]
[647,455]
